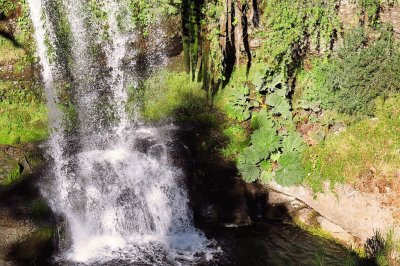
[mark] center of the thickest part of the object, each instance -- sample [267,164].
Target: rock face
[349,215]
[26,222]
[17,162]
[217,196]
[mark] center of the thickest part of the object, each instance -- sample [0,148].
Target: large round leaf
[293,142]
[290,170]
[250,155]
[263,119]
[280,104]
[265,141]
[249,172]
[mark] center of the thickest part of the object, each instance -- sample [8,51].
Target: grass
[368,145]
[10,53]
[23,115]
[383,249]
[171,95]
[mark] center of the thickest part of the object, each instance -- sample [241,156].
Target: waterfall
[111,177]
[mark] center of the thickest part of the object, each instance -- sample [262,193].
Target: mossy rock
[34,245]
[10,170]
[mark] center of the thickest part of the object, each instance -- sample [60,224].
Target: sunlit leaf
[290,170]
[293,142]
[265,140]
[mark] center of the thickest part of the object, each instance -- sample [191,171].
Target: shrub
[361,71]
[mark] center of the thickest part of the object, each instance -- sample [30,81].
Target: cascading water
[121,202]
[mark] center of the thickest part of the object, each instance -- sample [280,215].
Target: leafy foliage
[290,171]
[293,24]
[144,13]
[280,104]
[268,146]
[361,71]
[293,142]
[241,107]
[265,140]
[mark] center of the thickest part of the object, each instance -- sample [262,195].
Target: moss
[23,115]
[317,231]
[21,123]
[34,245]
[39,209]
[238,139]
[9,52]
[13,176]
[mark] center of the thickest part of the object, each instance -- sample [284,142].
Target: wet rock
[33,245]
[143,145]
[16,162]
[157,151]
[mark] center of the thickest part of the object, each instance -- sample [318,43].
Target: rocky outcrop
[349,215]
[26,222]
[18,162]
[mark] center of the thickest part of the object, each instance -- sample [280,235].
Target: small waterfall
[112,178]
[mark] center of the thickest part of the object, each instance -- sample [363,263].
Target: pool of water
[278,244]
[259,244]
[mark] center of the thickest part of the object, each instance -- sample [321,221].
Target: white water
[113,182]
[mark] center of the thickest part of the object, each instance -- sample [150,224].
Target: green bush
[362,70]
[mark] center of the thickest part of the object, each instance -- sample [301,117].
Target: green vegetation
[358,73]
[10,171]
[384,249]
[145,13]
[365,145]
[170,94]
[18,11]
[23,115]
[295,78]
[23,118]
[22,122]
